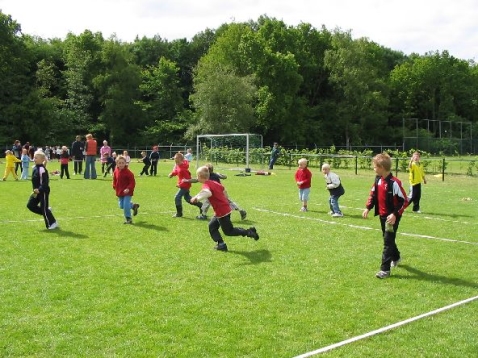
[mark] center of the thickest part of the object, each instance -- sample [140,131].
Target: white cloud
[407,25]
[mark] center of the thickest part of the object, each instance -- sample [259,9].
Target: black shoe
[177,215]
[128,221]
[135,209]
[253,233]
[243,214]
[221,247]
[201,217]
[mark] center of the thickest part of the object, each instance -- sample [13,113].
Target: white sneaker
[337,215]
[53,226]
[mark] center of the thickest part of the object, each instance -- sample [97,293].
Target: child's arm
[202,195]
[221,176]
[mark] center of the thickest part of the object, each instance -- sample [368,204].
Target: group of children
[387,197]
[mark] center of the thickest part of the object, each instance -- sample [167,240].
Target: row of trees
[296,85]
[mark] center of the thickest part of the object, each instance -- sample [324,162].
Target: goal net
[242,149]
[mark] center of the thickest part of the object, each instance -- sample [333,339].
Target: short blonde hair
[383,160]
[203,172]
[325,166]
[302,160]
[40,153]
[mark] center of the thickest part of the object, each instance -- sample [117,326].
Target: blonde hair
[89,136]
[302,160]
[120,157]
[325,166]
[383,160]
[40,153]
[178,156]
[203,172]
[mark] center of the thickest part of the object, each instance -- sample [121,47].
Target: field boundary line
[337,222]
[384,329]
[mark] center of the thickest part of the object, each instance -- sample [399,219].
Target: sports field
[98,288]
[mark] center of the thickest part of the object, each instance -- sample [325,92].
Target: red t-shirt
[305,176]
[182,172]
[218,199]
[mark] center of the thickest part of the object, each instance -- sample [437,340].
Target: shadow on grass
[148,226]
[420,275]
[65,233]
[451,215]
[255,257]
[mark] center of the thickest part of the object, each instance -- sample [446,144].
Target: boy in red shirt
[217,196]
[389,199]
[124,184]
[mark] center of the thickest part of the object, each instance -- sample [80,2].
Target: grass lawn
[98,288]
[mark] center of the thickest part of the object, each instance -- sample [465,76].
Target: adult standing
[91,148]
[275,152]
[416,176]
[17,152]
[105,149]
[77,150]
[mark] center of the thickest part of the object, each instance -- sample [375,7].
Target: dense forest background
[298,85]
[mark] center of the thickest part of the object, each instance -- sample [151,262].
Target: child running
[217,196]
[181,170]
[389,199]
[124,184]
[10,161]
[206,204]
[39,199]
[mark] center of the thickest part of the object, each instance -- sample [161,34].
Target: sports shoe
[177,215]
[417,212]
[128,221]
[221,247]
[243,214]
[331,212]
[382,274]
[337,215]
[303,209]
[251,232]
[395,263]
[53,226]
[135,209]
[201,217]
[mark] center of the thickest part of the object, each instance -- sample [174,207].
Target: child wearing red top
[124,184]
[181,170]
[389,200]
[303,179]
[64,160]
[217,196]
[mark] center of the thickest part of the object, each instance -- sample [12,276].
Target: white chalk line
[415,215]
[338,222]
[71,218]
[384,329]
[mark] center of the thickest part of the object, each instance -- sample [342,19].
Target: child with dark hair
[217,196]
[147,163]
[389,199]
[154,158]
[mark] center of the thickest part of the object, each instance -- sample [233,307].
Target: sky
[410,26]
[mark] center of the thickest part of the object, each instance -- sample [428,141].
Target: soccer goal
[233,148]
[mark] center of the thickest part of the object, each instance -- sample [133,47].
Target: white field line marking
[412,215]
[78,217]
[337,222]
[383,329]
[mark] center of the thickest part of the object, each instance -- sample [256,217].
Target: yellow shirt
[416,175]
[10,160]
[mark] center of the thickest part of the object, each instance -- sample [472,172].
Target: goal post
[227,148]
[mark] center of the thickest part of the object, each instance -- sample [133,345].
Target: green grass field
[98,288]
